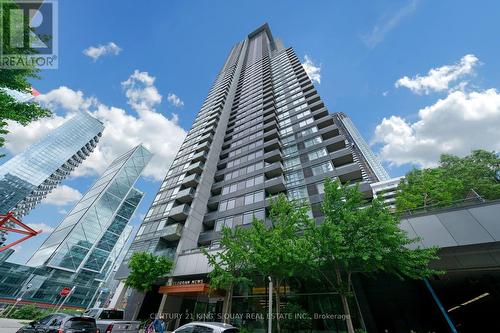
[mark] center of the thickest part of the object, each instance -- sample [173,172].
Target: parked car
[111,321]
[206,327]
[61,323]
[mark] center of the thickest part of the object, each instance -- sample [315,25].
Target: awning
[199,288]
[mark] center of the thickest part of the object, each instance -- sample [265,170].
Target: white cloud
[313,71]
[175,100]
[95,52]
[62,196]
[141,92]
[46,229]
[385,93]
[457,124]
[388,22]
[439,79]
[67,99]
[158,133]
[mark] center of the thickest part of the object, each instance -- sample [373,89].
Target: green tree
[229,266]
[145,269]
[427,187]
[477,171]
[16,79]
[450,181]
[361,237]
[274,250]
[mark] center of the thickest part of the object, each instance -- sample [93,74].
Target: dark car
[61,323]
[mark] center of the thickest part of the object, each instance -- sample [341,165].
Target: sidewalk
[11,325]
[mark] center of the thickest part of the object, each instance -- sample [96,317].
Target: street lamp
[28,286]
[270,310]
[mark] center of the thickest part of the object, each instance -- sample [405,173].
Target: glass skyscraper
[83,248]
[28,177]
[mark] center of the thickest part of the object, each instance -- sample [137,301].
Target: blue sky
[447,50]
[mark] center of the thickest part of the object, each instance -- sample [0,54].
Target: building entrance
[185,303]
[471,299]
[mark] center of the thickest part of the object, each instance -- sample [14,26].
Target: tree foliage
[273,249]
[145,269]
[355,237]
[452,180]
[361,237]
[16,79]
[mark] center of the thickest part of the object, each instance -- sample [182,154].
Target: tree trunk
[347,312]
[345,302]
[277,291]
[226,308]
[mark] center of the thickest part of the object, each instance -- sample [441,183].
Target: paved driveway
[11,325]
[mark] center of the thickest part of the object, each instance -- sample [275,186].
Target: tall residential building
[262,130]
[371,167]
[84,247]
[27,178]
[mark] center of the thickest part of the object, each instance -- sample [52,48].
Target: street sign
[64,291]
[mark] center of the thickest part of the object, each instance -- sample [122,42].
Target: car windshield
[80,323]
[111,314]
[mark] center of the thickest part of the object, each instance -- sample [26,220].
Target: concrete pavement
[11,325]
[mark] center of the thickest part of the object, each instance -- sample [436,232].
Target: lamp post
[270,310]
[28,287]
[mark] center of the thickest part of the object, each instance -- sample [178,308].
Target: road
[10,325]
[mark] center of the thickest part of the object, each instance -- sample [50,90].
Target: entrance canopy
[198,288]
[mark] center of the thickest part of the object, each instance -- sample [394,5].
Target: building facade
[28,177]
[82,250]
[262,130]
[370,165]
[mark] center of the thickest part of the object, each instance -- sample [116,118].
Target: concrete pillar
[120,291]
[162,304]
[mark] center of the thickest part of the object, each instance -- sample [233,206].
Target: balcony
[335,143]
[273,170]
[272,134]
[179,213]
[195,168]
[275,185]
[207,237]
[191,181]
[205,146]
[210,218]
[172,232]
[270,125]
[273,156]
[330,132]
[271,145]
[341,157]
[349,172]
[206,138]
[186,195]
[201,156]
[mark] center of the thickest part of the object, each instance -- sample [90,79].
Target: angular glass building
[262,130]
[28,177]
[83,248]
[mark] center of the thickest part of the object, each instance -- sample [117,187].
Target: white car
[206,327]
